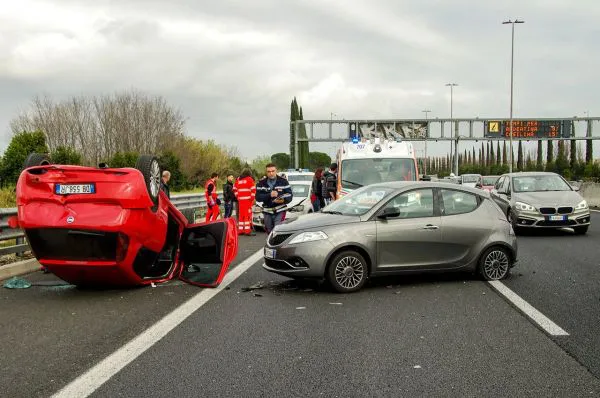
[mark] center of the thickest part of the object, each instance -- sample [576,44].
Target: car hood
[549,198]
[315,220]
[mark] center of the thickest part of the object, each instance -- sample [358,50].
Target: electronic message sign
[528,129]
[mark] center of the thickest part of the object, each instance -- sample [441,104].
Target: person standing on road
[164,183]
[228,196]
[330,184]
[212,198]
[317,190]
[275,193]
[245,192]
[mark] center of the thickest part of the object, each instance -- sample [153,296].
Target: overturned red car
[114,226]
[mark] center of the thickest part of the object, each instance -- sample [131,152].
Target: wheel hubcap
[349,272]
[154,178]
[496,264]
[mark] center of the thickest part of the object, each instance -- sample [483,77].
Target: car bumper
[306,260]
[537,220]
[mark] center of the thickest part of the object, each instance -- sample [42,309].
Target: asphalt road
[559,274]
[53,331]
[423,335]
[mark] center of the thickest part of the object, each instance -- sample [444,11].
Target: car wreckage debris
[17,283]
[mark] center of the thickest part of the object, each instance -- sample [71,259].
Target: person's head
[333,167]
[271,171]
[230,177]
[319,173]
[166,176]
[246,173]
[214,176]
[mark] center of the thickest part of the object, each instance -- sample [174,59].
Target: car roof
[530,173]
[430,184]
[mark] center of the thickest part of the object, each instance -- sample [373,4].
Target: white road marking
[91,380]
[597,211]
[539,318]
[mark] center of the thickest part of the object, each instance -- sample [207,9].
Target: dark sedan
[391,228]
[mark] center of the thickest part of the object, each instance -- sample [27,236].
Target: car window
[499,183]
[300,190]
[413,204]
[457,202]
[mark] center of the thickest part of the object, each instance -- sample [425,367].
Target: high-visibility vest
[244,188]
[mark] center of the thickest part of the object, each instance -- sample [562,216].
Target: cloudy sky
[233,66]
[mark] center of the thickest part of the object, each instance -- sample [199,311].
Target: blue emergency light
[355,140]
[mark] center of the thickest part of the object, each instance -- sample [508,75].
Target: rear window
[457,202]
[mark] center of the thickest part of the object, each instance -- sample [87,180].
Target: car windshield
[358,202]
[299,177]
[470,178]
[300,190]
[539,183]
[356,173]
[490,180]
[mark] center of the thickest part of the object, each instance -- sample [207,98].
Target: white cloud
[233,67]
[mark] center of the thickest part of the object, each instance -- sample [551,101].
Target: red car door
[206,250]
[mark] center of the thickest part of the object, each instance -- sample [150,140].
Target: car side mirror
[389,212]
[478,185]
[576,189]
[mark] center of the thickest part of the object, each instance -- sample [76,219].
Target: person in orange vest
[244,190]
[212,199]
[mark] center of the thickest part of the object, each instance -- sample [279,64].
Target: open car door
[206,250]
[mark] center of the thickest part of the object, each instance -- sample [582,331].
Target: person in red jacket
[244,190]
[212,199]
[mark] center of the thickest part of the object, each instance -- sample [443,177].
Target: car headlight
[582,205]
[524,206]
[309,237]
[297,208]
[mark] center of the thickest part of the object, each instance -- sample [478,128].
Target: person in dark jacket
[228,196]
[164,183]
[330,184]
[275,193]
[317,190]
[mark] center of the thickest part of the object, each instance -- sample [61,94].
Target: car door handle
[431,226]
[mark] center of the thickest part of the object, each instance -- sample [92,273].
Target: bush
[7,197]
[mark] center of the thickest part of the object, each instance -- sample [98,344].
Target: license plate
[270,253]
[558,218]
[68,189]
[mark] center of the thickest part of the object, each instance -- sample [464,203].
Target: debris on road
[17,283]
[417,367]
[257,295]
[300,308]
[335,303]
[256,286]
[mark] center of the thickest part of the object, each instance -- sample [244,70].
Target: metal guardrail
[190,205]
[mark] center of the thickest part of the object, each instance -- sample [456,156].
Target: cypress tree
[520,156]
[498,155]
[540,156]
[550,152]
[504,155]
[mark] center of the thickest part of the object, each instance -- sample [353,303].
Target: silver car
[391,228]
[541,200]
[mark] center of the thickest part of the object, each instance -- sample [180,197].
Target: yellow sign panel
[494,127]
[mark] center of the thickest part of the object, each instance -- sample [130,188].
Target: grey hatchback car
[541,200]
[392,228]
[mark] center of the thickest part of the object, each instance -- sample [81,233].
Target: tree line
[564,157]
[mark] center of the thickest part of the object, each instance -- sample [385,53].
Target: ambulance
[363,161]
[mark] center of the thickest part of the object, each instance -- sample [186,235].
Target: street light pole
[426,111]
[451,85]
[512,56]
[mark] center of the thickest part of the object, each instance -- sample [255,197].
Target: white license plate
[68,189]
[270,253]
[557,218]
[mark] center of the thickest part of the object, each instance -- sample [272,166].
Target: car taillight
[122,246]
